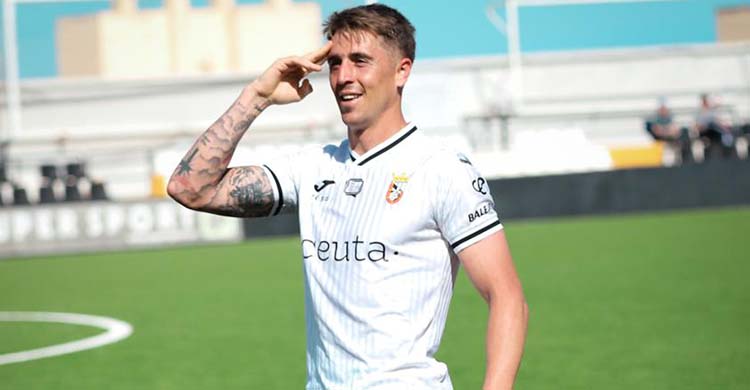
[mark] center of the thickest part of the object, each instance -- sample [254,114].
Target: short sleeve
[284,173]
[465,208]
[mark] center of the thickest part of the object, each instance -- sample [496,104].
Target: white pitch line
[116,330]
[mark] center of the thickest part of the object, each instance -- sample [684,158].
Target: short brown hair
[378,19]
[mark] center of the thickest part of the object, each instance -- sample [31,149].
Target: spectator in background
[713,127]
[662,127]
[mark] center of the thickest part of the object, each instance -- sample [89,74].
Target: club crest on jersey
[353,187]
[396,188]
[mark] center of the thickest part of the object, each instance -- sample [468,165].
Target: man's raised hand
[284,81]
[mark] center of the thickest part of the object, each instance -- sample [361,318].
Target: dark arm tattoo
[184,167]
[203,181]
[250,193]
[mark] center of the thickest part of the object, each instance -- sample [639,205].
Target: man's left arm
[489,265]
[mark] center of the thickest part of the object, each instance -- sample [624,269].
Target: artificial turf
[657,301]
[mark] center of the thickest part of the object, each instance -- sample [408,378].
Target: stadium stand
[19,196]
[68,183]
[3,183]
[98,191]
[57,183]
[50,181]
[11,193]
[75,177]
[575,115]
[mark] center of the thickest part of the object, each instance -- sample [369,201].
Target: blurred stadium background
[633,255]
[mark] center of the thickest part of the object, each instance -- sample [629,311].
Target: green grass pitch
[657,301]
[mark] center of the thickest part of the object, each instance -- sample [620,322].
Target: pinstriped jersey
[379,238]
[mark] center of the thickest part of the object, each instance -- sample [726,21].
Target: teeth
[348,97]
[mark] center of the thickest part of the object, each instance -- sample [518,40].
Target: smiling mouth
[348,97]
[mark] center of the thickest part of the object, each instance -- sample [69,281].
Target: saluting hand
[284,81]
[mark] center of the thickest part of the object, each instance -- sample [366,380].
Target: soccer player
[386,216]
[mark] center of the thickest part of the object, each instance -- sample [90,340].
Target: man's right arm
[202,180]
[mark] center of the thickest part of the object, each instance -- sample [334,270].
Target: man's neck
[362,140]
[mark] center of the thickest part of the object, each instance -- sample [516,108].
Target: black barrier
[280,225]
[716,183]
[711,184]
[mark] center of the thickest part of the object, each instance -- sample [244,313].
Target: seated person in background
[662,127]
[710,125]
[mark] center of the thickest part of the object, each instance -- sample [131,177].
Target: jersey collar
[384,146]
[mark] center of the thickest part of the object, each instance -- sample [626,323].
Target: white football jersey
[379,235]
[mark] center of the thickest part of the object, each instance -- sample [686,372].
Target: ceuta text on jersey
[341,251]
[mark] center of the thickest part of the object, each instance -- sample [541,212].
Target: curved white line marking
[116,330]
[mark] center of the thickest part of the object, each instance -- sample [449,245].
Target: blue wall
[453,28]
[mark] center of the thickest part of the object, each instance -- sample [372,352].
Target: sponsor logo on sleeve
[478,213]
[396,188]
[480,185]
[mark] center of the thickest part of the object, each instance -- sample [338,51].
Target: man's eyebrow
[360,56]
[333,58]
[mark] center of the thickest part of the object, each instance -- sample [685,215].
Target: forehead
[347,42]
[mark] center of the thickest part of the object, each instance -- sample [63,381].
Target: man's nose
[345,74]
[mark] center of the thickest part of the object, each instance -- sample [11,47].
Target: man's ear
[403,71]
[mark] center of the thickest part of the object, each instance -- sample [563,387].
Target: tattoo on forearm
[258,109]
[235,121]
[203,179]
